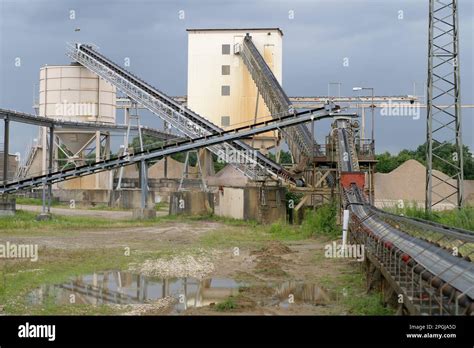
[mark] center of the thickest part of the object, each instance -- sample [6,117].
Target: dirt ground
[268,267]
[110,214]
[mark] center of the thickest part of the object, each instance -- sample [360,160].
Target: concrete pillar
[207,164]
[143,183]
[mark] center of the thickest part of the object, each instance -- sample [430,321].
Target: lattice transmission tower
[443,132]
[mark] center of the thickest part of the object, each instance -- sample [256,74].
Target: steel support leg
[6,136]
[50,169]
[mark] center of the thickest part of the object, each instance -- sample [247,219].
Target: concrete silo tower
[220,86]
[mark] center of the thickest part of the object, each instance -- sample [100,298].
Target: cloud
[384,51]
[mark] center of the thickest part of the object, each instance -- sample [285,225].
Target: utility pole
[443,127]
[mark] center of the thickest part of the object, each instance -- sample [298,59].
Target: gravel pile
[198,267]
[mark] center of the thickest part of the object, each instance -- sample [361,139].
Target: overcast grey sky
[384,52]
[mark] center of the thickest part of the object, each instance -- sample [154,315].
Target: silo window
[225,121]
[226,70]
[226,49]
[225,90]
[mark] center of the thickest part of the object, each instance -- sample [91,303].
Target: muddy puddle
[290,292]
[126,288]
[123,288]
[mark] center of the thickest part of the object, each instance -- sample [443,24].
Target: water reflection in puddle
[117,287]
[292,292]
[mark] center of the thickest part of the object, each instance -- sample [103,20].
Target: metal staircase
[298,138]
[187,122]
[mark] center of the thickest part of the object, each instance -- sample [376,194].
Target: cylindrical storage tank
[72,92]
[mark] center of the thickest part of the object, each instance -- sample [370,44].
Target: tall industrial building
[220,87]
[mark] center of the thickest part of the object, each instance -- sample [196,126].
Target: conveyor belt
[439,262]
[166,150]
[57,124]
[185,120]
[298,138]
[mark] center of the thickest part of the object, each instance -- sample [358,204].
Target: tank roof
[236,29]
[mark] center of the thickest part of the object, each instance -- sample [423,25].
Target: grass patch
[231,236]
[354,296]
[283,231]
[322,221]
[461,218]
[56,266]
[24,223]
[228,305]
[161,206]
[350,291]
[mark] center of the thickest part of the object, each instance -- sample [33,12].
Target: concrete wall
[191,203]
[7,207]
[126,198]
[248,204]
[270,209]
[93,182]
[230,202]
[83,197]
[130,198]
[205,78]
[12,166]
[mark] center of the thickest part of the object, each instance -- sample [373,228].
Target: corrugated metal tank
[73,92]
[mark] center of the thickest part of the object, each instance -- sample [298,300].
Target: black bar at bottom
[347,330]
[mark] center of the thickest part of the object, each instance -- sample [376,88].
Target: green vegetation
[161,206]
[321,221]
[388,162]
[285,157]
[56,266]
[227,305]
[462,218]
[149,142]
[24,223]
[350,290]
[359,302]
